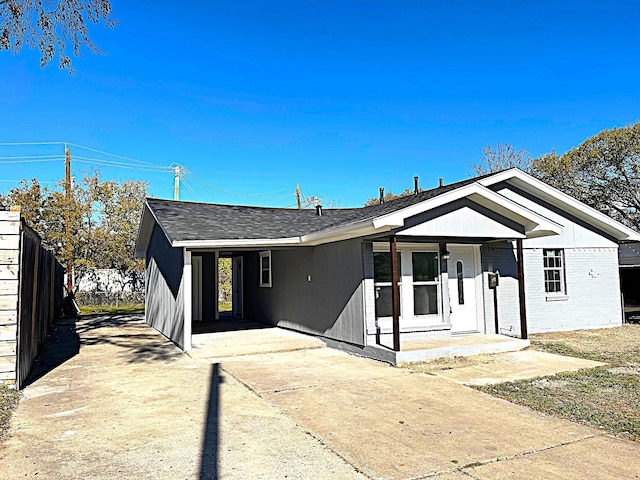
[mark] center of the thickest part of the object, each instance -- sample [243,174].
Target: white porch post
[444,284]
[215,285]
[187,298]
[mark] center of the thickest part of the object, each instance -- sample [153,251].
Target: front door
[462,289]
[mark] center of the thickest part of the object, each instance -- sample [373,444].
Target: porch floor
[453,346]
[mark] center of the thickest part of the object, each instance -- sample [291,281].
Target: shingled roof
[191,221]
[207,225]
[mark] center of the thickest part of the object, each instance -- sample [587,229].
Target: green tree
[103,221]
[52,26]
[603,172]
[501,157]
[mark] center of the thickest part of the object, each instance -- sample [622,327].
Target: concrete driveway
[129,404]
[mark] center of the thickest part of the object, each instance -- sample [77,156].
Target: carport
[629,255]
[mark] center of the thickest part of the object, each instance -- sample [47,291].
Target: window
[554,271]
[265,269]
[460,276]
[425,283]
[382,282]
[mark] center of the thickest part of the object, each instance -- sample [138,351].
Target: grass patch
[8,403]
[112,310]
[605,397]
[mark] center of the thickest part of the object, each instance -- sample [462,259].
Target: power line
[122,157]
[6,162]
[110,163]
[18,144]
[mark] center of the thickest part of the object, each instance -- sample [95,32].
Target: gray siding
[331,304]
[164,308]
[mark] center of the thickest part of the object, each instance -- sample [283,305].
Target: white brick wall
[593,291]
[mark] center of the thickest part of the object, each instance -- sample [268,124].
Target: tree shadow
[61,344]
[136,341]
[210,444]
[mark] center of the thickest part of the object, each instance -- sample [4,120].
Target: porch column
[523,307]
[187,299]
[395,293]
[444,283]
[215,284]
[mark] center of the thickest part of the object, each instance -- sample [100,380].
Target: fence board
[8,349]
[8,302]
[9,272]
[9,257]
[8,332]
[9,242]
[9,287]
[9,226]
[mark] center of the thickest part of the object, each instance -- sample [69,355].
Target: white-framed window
[265,268]
[426,271]
[418,283]
[382,282]
[553,265]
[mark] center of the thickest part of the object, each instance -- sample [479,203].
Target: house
[503,253]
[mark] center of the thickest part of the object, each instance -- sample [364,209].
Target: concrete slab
[130,405]
[409,426]
[575,461]
[458,345]
[304,368]
[507,367]
[217,345]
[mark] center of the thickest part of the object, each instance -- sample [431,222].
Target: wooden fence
[31,292]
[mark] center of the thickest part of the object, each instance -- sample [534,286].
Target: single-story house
[503,253]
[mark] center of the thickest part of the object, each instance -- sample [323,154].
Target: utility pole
[298,197]
[177,172]
[67,227]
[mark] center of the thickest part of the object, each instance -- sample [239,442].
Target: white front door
[236,287]
[196,288]
[462,289]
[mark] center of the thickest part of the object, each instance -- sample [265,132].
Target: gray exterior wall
[330,305]
[164,305]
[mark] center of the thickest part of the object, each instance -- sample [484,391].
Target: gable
[575,233]
[463,219]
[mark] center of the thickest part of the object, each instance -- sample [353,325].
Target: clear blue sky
[342,97]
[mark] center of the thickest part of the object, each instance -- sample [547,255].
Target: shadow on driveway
[210,444]
[62,343]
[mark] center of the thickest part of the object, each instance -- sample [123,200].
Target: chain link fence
[104,299]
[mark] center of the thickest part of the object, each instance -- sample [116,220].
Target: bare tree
[501,157]
[52,26]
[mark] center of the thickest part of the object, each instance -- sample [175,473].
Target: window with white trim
[265,268]
[554,281]
[382,282]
